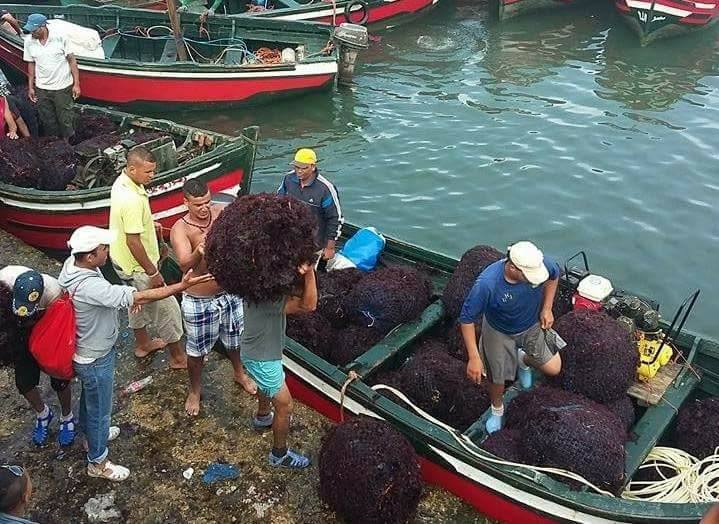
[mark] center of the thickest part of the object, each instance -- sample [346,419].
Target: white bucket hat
[530,261]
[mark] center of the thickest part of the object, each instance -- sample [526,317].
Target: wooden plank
[650,392]
[655,422]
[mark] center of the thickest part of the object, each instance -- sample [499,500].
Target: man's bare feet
[246,382]
[178,362]
[192,404]
[155,345]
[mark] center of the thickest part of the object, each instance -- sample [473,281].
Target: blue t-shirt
[509,308]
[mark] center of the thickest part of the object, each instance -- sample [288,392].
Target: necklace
[198,226]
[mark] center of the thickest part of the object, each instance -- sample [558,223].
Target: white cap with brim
[86,238]
[530,261]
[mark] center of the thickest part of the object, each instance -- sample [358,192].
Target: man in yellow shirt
[135,254]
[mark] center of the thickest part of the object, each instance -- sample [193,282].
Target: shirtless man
[208,312]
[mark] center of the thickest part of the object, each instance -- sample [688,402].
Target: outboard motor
[350,38]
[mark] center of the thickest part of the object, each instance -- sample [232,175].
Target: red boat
[512,8]
[45,219]
[230,61]
[655,19]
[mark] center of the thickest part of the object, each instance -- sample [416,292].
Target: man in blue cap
[32,294]
[53,76]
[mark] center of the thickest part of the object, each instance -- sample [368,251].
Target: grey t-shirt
[263,337]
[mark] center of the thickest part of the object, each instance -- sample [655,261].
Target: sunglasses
[15,470]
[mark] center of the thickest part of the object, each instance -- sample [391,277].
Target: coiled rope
[693,480]
[470,447]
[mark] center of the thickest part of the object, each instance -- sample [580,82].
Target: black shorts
[27,373]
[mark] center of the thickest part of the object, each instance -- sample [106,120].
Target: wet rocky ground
[159,442]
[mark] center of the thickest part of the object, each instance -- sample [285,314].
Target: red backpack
[52,340]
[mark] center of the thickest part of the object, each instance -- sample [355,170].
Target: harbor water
[557,127]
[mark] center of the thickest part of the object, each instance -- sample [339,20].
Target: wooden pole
[176,30]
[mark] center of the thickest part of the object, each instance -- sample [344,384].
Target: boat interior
[656,402]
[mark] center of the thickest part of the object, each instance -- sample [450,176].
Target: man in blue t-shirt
[515,296]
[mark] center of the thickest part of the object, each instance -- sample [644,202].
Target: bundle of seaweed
[697,429]
[351,342]
[600,359]
[623,408]
[96,144]
[19,164]
[388,297]
[59,163]
[141,136]
[558,428]
[256,245]
[504,444]
[313,331]
[391,378]
[369,473]
[468,269]
[10,334]
[333,287]
[88,126]
[437,382]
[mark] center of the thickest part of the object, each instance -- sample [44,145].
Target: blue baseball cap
[34,21]
[26,293]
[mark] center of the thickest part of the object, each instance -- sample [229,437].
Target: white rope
[683,478]
[480,454]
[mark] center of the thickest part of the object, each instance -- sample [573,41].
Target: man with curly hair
[513,297]
[263,341]
[307,185]
[33,293]
[209,313]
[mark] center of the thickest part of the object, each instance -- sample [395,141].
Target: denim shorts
[268,374]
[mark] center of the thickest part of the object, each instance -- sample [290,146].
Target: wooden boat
[511,8]
[141,66]
[382,13]
[45,219]
[504,493]
[655,19]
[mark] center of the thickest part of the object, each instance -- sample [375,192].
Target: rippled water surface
[557,128]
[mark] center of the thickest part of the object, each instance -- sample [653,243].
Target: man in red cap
[514,296]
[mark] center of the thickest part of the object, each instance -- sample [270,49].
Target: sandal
[263,422]
[66,435]
[42,429]
[111,471]
[291,460]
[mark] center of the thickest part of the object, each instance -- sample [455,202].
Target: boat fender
[364,9]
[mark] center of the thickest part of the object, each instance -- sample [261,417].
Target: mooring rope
[351,376]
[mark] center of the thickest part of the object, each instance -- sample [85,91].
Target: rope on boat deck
[482,455]
[690,480]
[351,376]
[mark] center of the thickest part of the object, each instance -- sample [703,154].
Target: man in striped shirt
[305,183]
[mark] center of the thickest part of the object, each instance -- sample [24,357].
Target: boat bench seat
[656,420]
[169,53]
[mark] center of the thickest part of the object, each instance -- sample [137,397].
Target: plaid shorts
[210,318]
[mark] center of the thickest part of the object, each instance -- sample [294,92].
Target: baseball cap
[305,157]
[86,238]
[34,21]
[530,261]
[26,293]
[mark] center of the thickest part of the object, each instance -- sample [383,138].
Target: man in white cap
[514,295]
[96,302]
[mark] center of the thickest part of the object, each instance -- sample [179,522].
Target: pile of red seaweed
[333,287]
[465,274]
[256,245]
[369,473]
[697,429]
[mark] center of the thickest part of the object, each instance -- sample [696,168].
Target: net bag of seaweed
[369,473]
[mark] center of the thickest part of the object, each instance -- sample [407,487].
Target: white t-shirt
[52,291]
[52,70]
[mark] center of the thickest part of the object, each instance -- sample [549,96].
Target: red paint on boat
[380,13]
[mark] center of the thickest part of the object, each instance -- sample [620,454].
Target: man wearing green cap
[53,76]
[306,184]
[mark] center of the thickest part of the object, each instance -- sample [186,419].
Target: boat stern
[659,19]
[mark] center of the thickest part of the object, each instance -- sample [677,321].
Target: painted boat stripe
[658,8]
[322,68]
[105,202]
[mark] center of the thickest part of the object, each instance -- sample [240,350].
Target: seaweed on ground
[10,334]
[313,331]
[623,408]
[468,269]
[437,382]
[256,245]
[19,164]
[88,126]
[351,342]
[504,444]
[333,287]
[388,297]
[600,359]
[697,429]
[369,473]
[59,163]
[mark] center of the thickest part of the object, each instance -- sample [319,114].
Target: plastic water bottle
[136,386]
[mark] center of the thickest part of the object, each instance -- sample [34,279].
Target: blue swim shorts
[268,374]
